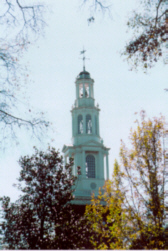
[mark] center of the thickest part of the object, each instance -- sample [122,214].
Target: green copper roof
[84,74]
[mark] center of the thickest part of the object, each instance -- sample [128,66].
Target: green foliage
[129,212]
[106,215]
[144,176]
[43,218]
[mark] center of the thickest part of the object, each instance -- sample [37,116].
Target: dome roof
[84,74]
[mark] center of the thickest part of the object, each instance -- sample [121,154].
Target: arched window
[80,90]
[86,90]
[90,166]
[88,124]
[80,124]
[95,125]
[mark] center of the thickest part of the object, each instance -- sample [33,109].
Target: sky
[54,62]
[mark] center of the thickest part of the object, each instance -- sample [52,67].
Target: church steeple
[87,147]
[85,124]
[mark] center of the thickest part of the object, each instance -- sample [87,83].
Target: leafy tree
[144,175]
[149,26]
[134,202]
[107,217]
[21,23]
[43,217]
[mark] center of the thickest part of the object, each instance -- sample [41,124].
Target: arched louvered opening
[88,124]
[80,124]
[90,166]
[86,90]
[81,90]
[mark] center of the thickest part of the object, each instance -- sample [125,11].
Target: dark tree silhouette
[43,217]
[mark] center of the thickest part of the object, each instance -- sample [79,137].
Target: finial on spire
[83,52]
[84,58]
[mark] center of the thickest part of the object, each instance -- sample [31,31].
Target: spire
[87,147]
[84,58]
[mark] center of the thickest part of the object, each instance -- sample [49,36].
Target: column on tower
[77,91]
[107,167]
[84,123]
[83,165]
[90,92]
[98,132]
[94,124]
[77,160]
[101,165]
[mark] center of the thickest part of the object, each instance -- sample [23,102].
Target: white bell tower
[87,149]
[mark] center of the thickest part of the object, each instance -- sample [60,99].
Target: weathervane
[84,58]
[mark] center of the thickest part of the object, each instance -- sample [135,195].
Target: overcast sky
[54,62]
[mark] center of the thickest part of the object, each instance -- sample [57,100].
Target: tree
[43,217]
[21,24]
[149,37]
[149,25]
[107,217]
[97,5]
[144,175]
[134,202]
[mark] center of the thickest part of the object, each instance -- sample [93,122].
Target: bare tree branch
[95,6]
[21,24]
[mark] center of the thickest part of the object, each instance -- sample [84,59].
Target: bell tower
[89,153]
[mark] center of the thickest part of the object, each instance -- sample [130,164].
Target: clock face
[93,185]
